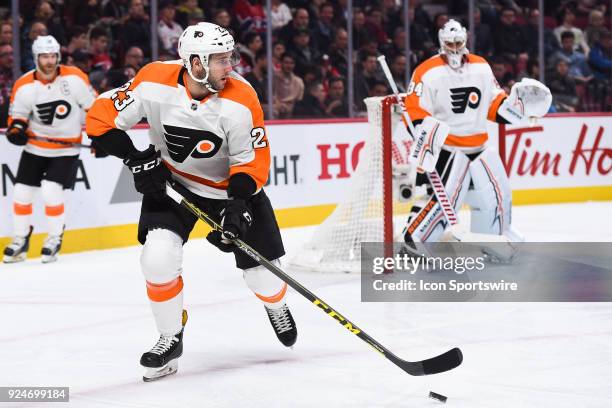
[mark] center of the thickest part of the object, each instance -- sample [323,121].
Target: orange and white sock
[22,209]
[267,287]
[53,196]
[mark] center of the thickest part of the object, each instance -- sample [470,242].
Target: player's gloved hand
[236,219]
[98,152]
[150,174]
[215,238]
[16,133]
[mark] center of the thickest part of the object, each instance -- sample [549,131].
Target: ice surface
[84,321]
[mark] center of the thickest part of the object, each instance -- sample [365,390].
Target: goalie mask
[203,40]
[45,44]
[453,39]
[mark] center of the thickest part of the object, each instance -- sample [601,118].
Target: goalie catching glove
[528,99]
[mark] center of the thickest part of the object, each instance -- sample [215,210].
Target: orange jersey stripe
[492,113]
[55,210]
[466,141]
[101,116]
[259,167]
[412,101]
[22,209]
[164,291]
[274,298]
[222,185]
[51,145]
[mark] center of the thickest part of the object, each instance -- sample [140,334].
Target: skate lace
[163,344]
[280,318]
[52,241]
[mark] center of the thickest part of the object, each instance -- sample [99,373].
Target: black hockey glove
[236,219]
[16,133]
[150,174]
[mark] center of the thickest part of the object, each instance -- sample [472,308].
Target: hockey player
[209,140]
[47,102]
[450,97]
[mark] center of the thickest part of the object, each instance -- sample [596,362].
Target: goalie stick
[443,362]
[434,177]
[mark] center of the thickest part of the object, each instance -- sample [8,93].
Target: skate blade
[48,258]
[14,259]
[154,374]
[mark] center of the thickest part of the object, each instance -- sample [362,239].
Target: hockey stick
[438,364]
[434,177]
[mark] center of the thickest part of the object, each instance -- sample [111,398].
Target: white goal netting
[366,215]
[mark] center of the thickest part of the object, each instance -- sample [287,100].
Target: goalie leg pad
[161,263]
[429,223]
[491,197]
[267,287]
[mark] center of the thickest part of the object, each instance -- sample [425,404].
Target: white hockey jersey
[203,142]
[52,109]
[464,98]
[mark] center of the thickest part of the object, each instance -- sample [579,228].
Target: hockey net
[372,203]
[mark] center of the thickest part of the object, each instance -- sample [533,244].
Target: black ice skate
[17,250]
[283,324]
[162,359]
[51,247]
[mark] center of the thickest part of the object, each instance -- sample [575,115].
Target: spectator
[421,43]
[563,88]
[360,33]
[600,57]
[87,14]
[77,40]
[250,15]
[595,28]
[27,59]
[83,60]
[115,14]
[258,77]
[223,19]
[508,37]
[277,53]
[281,14]
[305,54]
[335,104]
[134,58]
[323,30]
[398,71]
[136,29]
[531,32]
[338,51]
[578,67]
[288,87]
[6,81]
[365,76]
[98,47]
[45,13]
[168,29]
[483,42]
[374,25]
[188,12]
[379,88]
[253,43]
[567,18]
[501,74]
[392,15]
[439,20]
[312,106]
[6,33]
[300,21]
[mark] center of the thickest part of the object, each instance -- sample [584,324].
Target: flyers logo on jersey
[184,142]
[464,97]
[50,110]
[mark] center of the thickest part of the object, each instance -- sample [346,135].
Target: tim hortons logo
[521,159]
[335,158]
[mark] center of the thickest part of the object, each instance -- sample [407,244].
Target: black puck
[436,396]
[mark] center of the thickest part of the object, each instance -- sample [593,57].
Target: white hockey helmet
[45,44]
[202,40]
[453,40]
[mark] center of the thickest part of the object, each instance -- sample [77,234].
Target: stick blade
[439,364]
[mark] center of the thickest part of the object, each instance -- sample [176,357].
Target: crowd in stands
[110,41]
